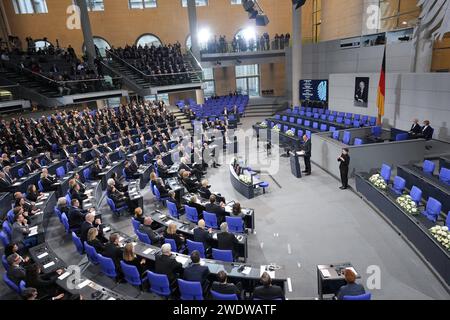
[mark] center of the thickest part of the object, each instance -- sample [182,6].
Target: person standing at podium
[344,162]
[307,149]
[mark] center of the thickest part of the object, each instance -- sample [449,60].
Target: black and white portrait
[361,91]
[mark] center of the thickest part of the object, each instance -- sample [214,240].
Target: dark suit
[154,237]
[76,217]
[225,288]
[5,185]
[415,129]
[268,293]
[351,289]
[427,133]
[203,236]
[168,266]
[84,229]
[114,252]
[307,149]
[218,210]
[16,274]
[204,192]
[200,208]
[227,241]
[47,184]
[343,168]
[78,195]
[197,273]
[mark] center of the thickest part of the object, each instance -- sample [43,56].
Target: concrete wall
[424,96]
[225,80]
[273,77]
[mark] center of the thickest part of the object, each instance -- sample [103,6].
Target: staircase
[265,107]
[28,82]
[180,116]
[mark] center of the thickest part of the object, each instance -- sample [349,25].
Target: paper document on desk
[83,284]
[325,273]
[111,298]
[42,255]
[106,229]
[181,259]
[263,269]
[214,236]
[301,153]
[149,251]
[64,275]
[246,271]
[33,231]
[39,203]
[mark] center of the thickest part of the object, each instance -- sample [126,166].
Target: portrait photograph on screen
[361,91]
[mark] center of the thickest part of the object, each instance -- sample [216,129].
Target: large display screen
[314,90]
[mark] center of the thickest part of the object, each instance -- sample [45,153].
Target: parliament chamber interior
[225,150]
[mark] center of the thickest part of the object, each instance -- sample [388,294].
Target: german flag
[382,89]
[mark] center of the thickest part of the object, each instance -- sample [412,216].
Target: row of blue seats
[307,123]
[319,113]
[433,206]
[339,120]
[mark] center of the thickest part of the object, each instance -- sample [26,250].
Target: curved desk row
[414,228]
[247,190]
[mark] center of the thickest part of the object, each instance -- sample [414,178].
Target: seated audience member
[96,169]
[62,206]
[16,271]
[76,215]
[71,165]
[36,164]
[139,215]
[194,203]
[427,131]
[113,250]
[237,210]
[267,291]
[196,272]
[8,176]
[222,286]
[118,184]
[27,206]
[76,177]
[164,193]
[32,294]
[351,288]
[204,190]
[14,248]
[75,192]
[171,233]
[88,223]
[168,265]
[218,210]
[184,165]
[130,172]
[93,241]
[129,257]
[190,183]
[227,240]
[416,129]
[203,235]
[5,185]
[153,180]
[120,199]
[173,199]
[146,228]
[48,181]
[163,170]
[28,168]
[20,232]
[33,194]
[45,285]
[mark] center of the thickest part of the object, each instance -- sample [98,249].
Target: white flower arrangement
[245,179]
[407,204]
[378,181]
[442,235]
[276,128]
[263,124]
[290,133]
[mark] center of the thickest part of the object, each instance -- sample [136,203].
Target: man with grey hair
[227,240]
[90,222]
[168,265]
[16,272]
[416,129]
[146,228]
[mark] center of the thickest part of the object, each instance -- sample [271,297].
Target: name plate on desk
[42,255]
[39,203]
[64,275]
[48,265]
[83,284]
[325,273]
[149,251]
